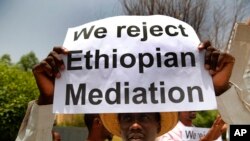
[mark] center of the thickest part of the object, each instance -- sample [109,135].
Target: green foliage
[17,88]
[6,59]
[28,61]
[205,118]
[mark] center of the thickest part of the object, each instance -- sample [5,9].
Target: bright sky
[28,25]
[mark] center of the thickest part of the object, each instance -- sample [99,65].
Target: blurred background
[30,29]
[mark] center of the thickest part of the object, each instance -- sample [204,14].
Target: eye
[145,118]
[126,118]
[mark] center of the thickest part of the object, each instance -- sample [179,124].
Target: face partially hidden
[139,126]
[188,115]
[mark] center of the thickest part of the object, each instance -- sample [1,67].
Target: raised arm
[38,122]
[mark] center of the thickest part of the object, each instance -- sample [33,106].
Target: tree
[17,88]
[205,118]
[6,59]
[188,11]
[28,61]
[224,19]
[197,13]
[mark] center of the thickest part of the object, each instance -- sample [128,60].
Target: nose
[135,126]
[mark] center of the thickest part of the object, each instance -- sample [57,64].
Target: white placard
[195,133]
[133,64]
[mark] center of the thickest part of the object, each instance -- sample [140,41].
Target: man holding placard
[129,64]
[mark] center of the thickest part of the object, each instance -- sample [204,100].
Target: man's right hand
[45,73]
[219,65]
